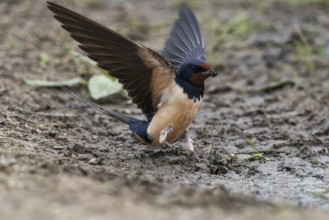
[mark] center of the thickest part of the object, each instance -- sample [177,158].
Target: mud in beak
[211,73]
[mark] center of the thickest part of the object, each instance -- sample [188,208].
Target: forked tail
[139,127]
[119,116]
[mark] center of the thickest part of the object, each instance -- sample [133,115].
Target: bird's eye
[194,67]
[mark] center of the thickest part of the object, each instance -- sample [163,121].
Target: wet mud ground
[62,160]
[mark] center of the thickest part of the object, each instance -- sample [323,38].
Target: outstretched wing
[186,41]
[138,68]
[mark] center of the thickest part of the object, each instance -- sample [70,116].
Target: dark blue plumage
[185,42]
[184,76]
[192,91]
[139,127]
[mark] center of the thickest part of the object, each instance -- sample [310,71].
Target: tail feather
[139,127]
[119,116]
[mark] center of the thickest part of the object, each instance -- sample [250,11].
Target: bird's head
[196,72]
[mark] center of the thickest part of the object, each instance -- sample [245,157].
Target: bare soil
[62,160]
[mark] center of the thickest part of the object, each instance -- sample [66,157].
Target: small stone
[93,161]
[41,126]
[53,132]
[127,111]
[57,147]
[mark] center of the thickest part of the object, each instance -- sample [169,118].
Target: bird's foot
[188,143]
[188,146]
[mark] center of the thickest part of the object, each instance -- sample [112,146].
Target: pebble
[57,147]
[93,161]
[53,132]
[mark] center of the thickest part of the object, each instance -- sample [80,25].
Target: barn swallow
[168,87]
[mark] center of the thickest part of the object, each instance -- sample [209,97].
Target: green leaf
[101,86]
[125,94]
[43,59]
[46,83]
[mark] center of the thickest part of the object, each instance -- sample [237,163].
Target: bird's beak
[211,73]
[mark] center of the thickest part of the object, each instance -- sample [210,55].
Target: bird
[167,86]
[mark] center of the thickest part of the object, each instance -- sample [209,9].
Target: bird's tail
[119,116]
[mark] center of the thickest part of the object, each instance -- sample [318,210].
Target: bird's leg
[188,145]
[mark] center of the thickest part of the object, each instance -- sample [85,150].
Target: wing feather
[133,64]
[186,41]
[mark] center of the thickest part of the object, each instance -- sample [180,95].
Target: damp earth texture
[262,137]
